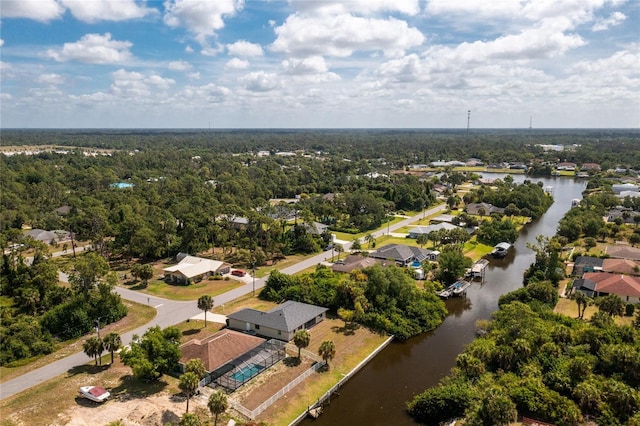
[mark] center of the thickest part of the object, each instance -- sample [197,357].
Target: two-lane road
[170,312]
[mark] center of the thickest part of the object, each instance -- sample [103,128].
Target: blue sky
[336,64]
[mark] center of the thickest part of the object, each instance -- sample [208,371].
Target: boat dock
[459,288]
[478,269]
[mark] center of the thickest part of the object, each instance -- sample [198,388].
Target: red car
[238,273]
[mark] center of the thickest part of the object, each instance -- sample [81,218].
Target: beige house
[194,269]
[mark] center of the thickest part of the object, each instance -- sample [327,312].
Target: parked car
[238,273]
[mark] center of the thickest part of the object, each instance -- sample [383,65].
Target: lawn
[569,308]
[186,292]
[138,315]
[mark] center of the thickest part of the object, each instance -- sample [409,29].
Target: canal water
[377,394]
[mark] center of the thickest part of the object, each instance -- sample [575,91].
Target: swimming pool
[247,373]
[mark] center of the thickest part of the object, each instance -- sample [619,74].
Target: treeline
[385,299]
[36,311]
[179,201]
[531,362]
[401,147]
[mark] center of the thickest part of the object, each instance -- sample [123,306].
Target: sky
[320,64]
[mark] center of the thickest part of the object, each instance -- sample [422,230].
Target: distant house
[590,167]
[63,210]
[443,218]
[630,194]
[626,214]
[476,208]
[621,266]
[192,268]
[48,237]
[403,255]
[623,252]
[237,222]
[280,322]
[356,261]
[597,284]
[316,228]
[620,187]
[567,165]
[426,230]
[584,264]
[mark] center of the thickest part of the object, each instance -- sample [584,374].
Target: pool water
[247,372]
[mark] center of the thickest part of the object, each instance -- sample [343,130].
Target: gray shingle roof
[400,253]
[286,317]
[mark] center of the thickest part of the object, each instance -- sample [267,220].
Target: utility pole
[253,266]
[97,327]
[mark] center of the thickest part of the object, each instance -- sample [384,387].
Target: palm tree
[301,339]
[370,239]
[217,404]
[197,367]
[189,384]
[205,303]
[339,249]
[581,300]
[112,342]
[422,239]
[327,351]
[93,347]
[190,419]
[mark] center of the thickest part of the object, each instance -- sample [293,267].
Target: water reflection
[378,393]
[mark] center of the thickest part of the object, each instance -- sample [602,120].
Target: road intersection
[171,312]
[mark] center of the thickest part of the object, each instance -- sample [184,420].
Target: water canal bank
[378,393]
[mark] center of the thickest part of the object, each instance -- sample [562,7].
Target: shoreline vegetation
[186,200]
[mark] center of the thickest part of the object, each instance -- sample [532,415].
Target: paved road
[170,312]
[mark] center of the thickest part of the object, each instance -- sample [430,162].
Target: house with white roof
[194,269]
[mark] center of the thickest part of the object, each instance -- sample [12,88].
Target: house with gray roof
[584,264]
[48,237]
[280,323]
[404,255]
[485,208]
[426,230]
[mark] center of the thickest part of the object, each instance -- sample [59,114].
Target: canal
[378,393]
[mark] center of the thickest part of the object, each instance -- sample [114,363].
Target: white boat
[95,393]
[460,287]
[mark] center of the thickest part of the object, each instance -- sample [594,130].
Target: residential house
[597,284]
[626,214]
[620,187]
[48,237]
[403,255]
[623,252]
[566,165]
[621,266]
[487,208]
[586,167]
[630,194]
[356,261]
[443,218]
[280,322]
[426,230]
[194,269]
[316,228]
[219,349]
[584,264]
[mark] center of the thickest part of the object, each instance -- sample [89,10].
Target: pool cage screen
[244,368]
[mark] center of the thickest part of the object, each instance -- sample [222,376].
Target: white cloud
[188,49]
[311,65]
[260,81]
[38,10]
[94,49]
[342,35]
[202,18]
[244,48]
[179,65]
[106,10]
[209,93]
[616,18]
[194,75]
[50,79]
[5,96]
[407,7]
[132,84]
[237,64]
[1,42]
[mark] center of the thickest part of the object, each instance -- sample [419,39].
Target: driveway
[170,312]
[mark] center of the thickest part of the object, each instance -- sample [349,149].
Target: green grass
[187,292]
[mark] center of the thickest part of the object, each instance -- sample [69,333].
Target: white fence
[252,414]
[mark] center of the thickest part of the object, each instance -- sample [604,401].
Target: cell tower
[468,120]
